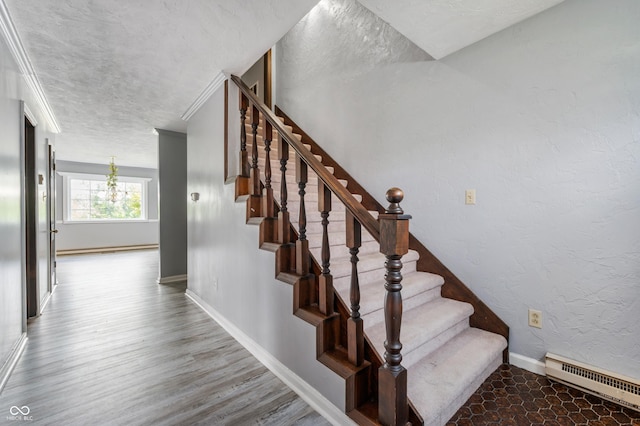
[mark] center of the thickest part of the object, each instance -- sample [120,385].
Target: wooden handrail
[331,182]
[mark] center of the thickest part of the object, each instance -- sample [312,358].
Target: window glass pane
[80,214]
[77,184]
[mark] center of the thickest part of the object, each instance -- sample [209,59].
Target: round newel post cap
[394,197]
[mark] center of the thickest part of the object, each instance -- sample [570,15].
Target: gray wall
[542,119]
[13,90]
[226,268]
[172,178]
[78,235]
[256,74]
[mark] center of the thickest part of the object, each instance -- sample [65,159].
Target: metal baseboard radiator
[596,381]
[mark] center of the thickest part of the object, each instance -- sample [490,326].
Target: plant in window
[112,181]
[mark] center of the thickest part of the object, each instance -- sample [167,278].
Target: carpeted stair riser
[425,328]
[441,382]
[337,239]
[417,285]
[377,316]
[341,251]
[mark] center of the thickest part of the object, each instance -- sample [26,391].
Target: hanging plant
[112,181]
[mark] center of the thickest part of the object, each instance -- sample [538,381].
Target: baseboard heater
[596,381]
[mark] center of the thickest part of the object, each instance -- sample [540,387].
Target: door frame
[51,216]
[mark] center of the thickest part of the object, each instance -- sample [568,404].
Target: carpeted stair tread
[442,381]
[342,251]
[341,267]
[423,325]
[314,216]
[372,293]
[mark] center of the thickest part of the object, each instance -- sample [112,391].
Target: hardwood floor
[113,347]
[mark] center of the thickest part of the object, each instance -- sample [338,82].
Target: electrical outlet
[470,196]
[535,318]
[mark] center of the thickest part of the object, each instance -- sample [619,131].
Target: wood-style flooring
[115,348]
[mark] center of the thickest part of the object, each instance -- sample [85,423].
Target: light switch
[470,196]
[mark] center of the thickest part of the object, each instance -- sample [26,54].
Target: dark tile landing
[513,396]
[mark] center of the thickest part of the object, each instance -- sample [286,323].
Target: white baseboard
[527,363]
[309,394]
[14,356]
[172,279]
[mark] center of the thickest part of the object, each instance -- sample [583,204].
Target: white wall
[13,90]
[228,271]
[542,119]
[89,235]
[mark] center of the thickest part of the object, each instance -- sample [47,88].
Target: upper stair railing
[391,231]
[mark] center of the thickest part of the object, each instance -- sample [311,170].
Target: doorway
[30,218]
[259,78]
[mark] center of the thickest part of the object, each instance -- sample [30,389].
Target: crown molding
[215,84]
[12,39]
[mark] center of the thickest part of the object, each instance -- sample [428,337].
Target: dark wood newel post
[392,376]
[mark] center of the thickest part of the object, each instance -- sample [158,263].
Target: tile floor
[513,396]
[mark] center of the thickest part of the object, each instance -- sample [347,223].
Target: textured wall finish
[350,24]
[114,71]
[543,120]
[442,27]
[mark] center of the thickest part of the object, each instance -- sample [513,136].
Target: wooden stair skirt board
[106,249]
[451,342]
[172,279]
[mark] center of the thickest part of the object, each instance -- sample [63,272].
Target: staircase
[342,288]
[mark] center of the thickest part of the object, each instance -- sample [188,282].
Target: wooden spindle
[325,280]
[355,334]
[302,245]
[267,192]
[284,229]
[255,171]
[392,376]
[244,159]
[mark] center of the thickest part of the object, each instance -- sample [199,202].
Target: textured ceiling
[113,70]
[441,27]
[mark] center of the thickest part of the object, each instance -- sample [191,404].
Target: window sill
[103,222]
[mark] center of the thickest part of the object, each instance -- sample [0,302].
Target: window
[87,198]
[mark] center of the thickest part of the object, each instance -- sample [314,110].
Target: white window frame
[66,204]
